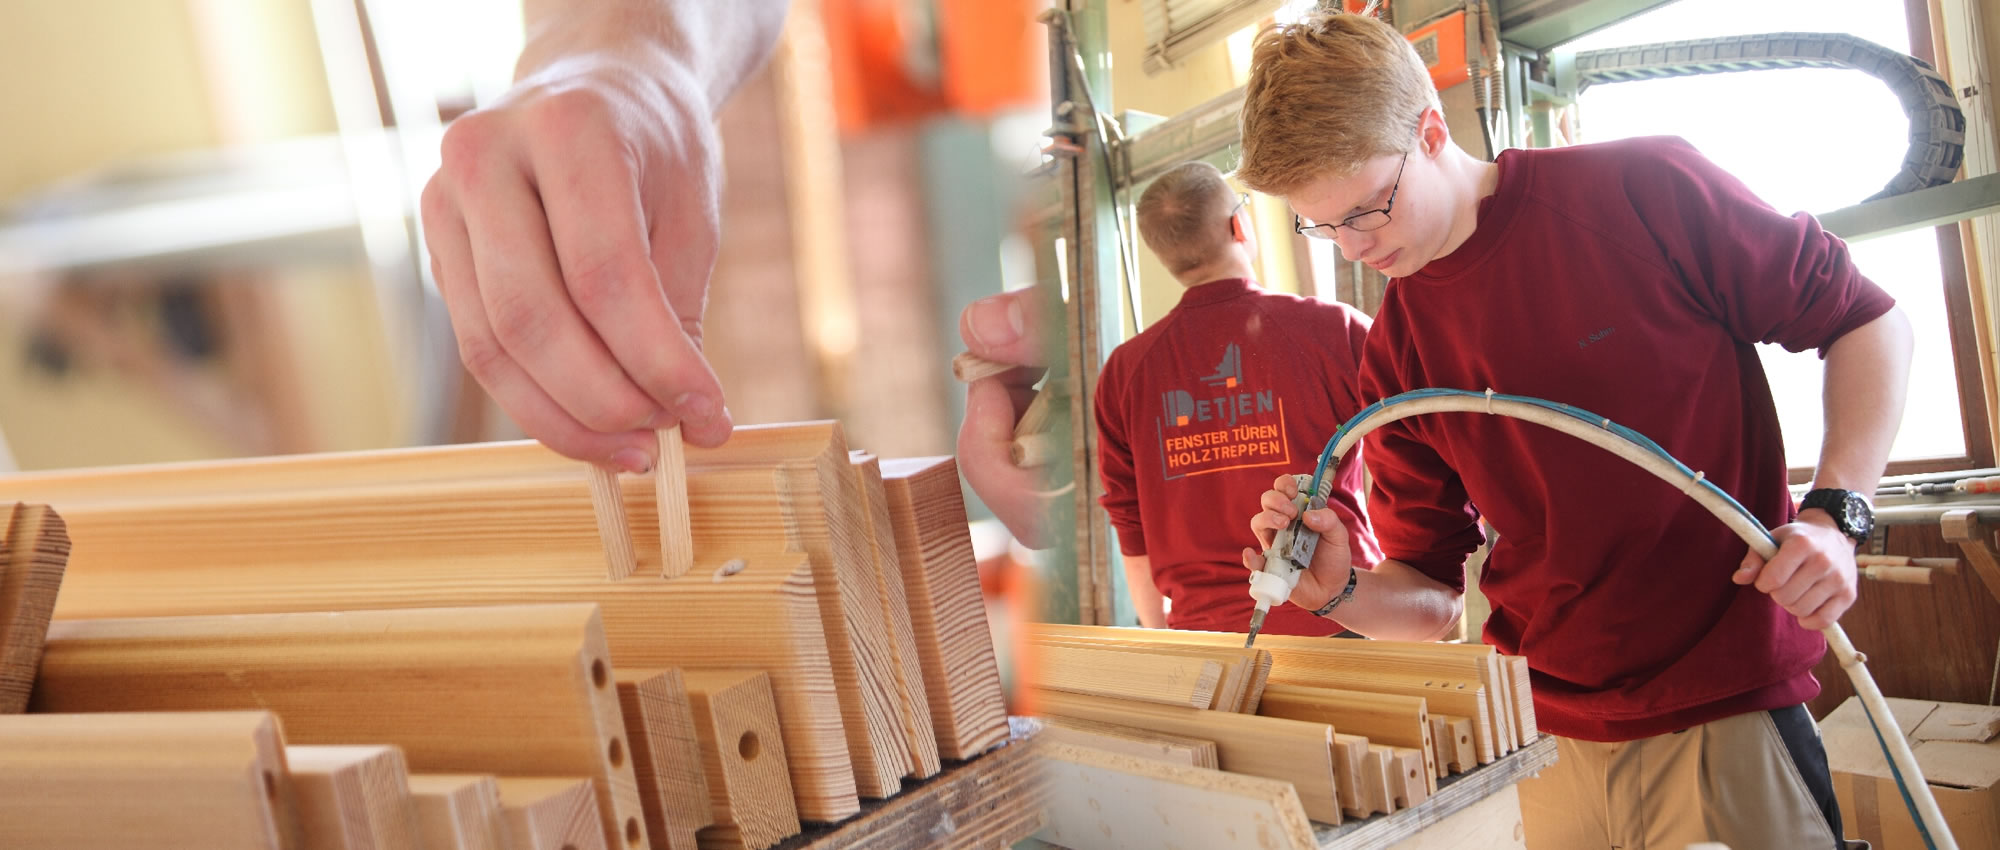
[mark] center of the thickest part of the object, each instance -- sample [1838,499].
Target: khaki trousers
[1756,781]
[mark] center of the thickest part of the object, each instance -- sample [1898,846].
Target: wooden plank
[1372,795]
[353,798]
[1239,665]
[550,813]
[990,801]
[670,505]
[1131,741]
[503,508]
[34,548]
[666,756]
[1260,676]
[529,687]
[1461,794]
[1524,698]
[1112,801]
[1147,677]
[1294,751]
[117,781]
[1456,750]
[1410,779]
[913,705]
[1387,719]
[458,811]
[1350,752]
[947,612]
[744,757]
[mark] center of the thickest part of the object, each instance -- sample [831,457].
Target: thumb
[1011,327]
[1746,572]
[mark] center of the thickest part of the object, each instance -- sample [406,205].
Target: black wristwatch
[1850,511]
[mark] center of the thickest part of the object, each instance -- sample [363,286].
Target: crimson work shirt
[1631,279]
[1199,414]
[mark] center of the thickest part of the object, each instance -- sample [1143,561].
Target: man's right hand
[1332,560]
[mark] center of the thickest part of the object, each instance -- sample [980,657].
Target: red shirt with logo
[1200,413]
[1632,279]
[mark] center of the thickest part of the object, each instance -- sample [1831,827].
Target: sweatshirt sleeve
[1114,464]
[1417,504]
[1767,277]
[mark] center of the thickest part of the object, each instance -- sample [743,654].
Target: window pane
[1802,139]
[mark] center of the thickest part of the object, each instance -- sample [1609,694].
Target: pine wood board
[1491,825]
[947,611]
[1232,688]
[1131,741]
[1457,752]
[1410,780]
[1102,800]
[988,802]
[550,813]
[117,781]
[765,616]
[912,704]
[1146,677]
[456,811]
[1373,795]
[34,549]
[744,760]
[1397,721]
[1522,687]
[529,687]
[353,797]
[1289,750]
[503,508]
[666,756]
[1350,755]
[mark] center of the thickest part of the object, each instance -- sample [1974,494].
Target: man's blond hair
[1184,216]
[1325,95]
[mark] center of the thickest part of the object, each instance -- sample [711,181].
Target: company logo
[1224,425]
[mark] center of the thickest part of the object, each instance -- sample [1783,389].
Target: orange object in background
[900,60]
[1442,46]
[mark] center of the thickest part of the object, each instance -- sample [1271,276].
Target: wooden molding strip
[1385,719]
[666,756]
[34,550]
[1143,676]
[550,813]
[744,758]
[456,811]
[912,704]
[353,798]
[1130,740]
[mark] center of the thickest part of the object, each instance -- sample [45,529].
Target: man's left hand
[1812,576]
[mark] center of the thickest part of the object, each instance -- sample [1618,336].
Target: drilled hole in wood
[632,832]
[617,753]
[747,746]
[598,676]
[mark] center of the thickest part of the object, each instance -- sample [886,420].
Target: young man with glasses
[1201,409]
[1632,279]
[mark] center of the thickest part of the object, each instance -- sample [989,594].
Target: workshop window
[1815,140]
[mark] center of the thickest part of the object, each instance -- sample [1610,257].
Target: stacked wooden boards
[1353,728]
[879,663]
[34,551]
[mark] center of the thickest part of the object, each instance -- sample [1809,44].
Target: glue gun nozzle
[1256,623]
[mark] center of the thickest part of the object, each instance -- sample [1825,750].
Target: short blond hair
[1325,95]
[1184,216]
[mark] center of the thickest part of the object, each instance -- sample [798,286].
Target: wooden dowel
[968,367]
[1034,450]
[670,481]
[1905,561]
[609,504]
[1898,575]
[1035,419]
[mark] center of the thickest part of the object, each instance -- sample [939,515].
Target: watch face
[1860,520]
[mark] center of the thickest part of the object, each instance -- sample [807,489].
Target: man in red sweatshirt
[1200,410]
[1632,279]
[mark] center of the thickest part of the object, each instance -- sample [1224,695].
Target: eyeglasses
[1358,222]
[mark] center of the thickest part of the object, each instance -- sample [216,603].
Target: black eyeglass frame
[1329,232]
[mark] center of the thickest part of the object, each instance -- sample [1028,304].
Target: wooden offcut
[744,758]
[666,756]
[521,690]
[34,549]
[1132,741]
[118,781]
[912,704]
[1410,780]
[1147,677]
[1350,756]
[1112,801]
[947,613]
[457,811]
[1524,699]
[1294,751]
[670,500]
[353,798]
[550,813]
[1453,735]
[1397,721]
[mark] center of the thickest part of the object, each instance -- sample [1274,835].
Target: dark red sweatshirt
[1631,279]
[1199,414]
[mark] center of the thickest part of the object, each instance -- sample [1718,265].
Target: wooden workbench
[990,801]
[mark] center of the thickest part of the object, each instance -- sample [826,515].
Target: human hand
[1812,576]
[573,227]
[1333,557]
[1006,328]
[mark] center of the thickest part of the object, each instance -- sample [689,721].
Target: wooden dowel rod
[1898,575]
[608,502]
[1905,561]
[1034,450]
[968,367]
[670,481]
